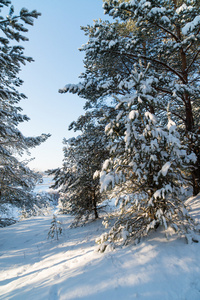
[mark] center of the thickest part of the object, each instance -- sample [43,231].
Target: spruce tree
[16,179]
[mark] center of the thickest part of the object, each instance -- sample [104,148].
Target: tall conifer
[16,179]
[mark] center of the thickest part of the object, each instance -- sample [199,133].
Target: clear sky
[53,43]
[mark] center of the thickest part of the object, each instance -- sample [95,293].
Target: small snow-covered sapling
[55,229]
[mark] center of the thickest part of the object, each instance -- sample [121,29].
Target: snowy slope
[32,267]
[44,185]
[13,212]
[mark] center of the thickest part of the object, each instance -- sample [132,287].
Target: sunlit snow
[35,268]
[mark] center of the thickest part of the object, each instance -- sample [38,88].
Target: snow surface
[44,185]
[33,267]
[10,211]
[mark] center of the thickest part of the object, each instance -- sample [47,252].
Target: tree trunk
[189,118]
[94,205]
[196,170]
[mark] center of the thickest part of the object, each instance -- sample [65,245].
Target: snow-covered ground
[12,212]
[44,185]
[33,267]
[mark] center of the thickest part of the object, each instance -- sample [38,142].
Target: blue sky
[53,43]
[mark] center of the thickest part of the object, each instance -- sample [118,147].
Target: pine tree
[145,168]
[143,68]
[83,156]
[16,179]
[164,33]
[171,43]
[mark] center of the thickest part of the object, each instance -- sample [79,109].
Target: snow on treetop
[133,114]
[190,26]
[112,43]
[157,10]
[151,117]
[165,168]
[182,8]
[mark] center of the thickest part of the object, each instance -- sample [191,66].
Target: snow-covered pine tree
[83,156]
[170,34]
[16,179]
[164,33]
[145,168]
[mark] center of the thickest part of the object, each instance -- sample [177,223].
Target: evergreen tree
[55,229]
[16,179]
[83,156]
[164,33]
[143,68]
[145,168]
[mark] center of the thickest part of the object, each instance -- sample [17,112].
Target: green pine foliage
[145,170]
[16,179]
[142,80]
[83,156]
[162,33]
[167,36]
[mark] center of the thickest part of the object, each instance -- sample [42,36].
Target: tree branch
[193,60]
[160,63]
[168,31]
